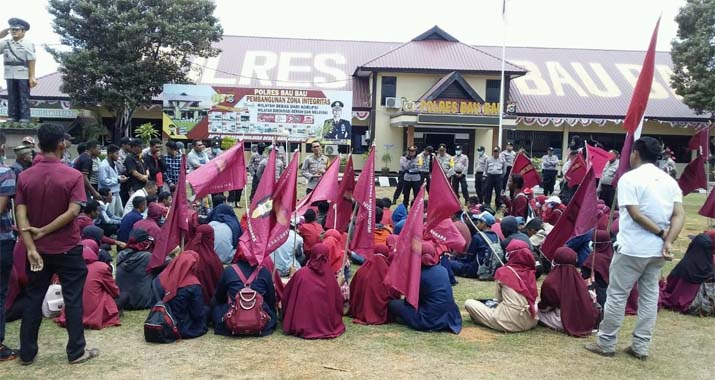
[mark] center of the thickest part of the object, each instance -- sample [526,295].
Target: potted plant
[386,160]
[146,132]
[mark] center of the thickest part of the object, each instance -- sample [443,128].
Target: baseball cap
[487,218]
[28,139]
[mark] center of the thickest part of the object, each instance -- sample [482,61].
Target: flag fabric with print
[341,211]
[576,171]
[224,173]
[363,239]
[524,167]
[176,222]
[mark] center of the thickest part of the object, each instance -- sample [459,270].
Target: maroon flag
[224,173]
[579,217]
[342,210]
[446,233]
[326,190]
[524,167]
[708,209]
[269,215]
[363,240]
[403,275]
[443,203]
[699,141]
[633,123]
[176,223]
[597,158]
[693,176]
[576,171]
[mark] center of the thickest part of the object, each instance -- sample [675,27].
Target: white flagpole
[501,82]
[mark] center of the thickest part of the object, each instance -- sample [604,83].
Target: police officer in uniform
[495,169]
[314,166]
[19,62]
[256,157]
[458,173]
[549,163]
[480,164]
[337,128]
[444,159]
[508,157]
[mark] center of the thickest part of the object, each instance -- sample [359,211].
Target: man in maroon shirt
[519,201]
[48,199]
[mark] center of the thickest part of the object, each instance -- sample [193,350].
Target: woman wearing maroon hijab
[369,295]
[100,290]
[685,279]
[178,287]
[514,309]
[565,302]
[151,223]
[209,267]
[313,303]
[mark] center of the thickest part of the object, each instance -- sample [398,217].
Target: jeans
[72,271]
[625,272]
[461,181]
[6,248]
[406,187]
[18,99]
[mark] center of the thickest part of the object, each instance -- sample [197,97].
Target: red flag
[597,158]
[268,219]
[176,222]
[699,141]
[633,123]
[708,209]
[576,171]
[342,210]
[579,217]
[326,190]
[693,176]
[524,167]
[363,240]
[446,234]
[224,173]
[403,275]
[443,203]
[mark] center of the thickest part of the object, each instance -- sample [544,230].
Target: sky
[598,24]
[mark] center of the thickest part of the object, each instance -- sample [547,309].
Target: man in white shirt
[197,157]
[149,189]
[651,217]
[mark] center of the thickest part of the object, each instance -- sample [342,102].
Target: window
[492,95]
[388,89]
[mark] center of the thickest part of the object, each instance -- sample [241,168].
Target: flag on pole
[693,176]
[341,211]
[524,167]
[325,190]
[443,203]
[403,275]
[597,158]
[708,209]
[579,217]
[224,173]
[576,171]
[633,123]
[363,239]
[175,225]
[269,215]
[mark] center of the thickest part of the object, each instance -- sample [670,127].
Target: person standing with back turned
[651,217]
[48,200]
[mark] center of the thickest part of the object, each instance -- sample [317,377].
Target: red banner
[363,240]
[175,225]
[224,173]
[524,167]
[342,210]
[597,158]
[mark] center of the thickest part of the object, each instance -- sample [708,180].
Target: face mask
[481,154]
[457,152]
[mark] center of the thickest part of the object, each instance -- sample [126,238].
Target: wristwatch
[661,233]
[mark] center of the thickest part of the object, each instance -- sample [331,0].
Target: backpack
[489,266]
[245,315]
[160,325]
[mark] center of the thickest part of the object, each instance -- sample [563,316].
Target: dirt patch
[478,335]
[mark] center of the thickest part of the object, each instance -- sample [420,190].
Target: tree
[693,53]
[121,52]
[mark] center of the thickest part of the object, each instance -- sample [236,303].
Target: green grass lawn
[682,348]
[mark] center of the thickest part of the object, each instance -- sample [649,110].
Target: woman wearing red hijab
[209,267]
[368,294]
[151,223]
[336,248]
[310,231]
[436,310]
[565,302]
[516,294]
[179,288]
[313,303]
[100,291]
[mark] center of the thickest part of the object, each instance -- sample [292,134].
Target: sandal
[88,354]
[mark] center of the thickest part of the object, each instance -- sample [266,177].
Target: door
[435,139]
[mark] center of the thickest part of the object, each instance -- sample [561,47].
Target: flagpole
[350,233]
[501,82]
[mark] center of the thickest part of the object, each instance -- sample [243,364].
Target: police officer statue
[19,62]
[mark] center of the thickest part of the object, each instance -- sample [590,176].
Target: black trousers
[461,181]
[549,178]
[235,196]
[6,248]
[493,183]
[407,186]
[254,187]
[606,194]
[400,184]
[506,177]
[479,184]
[72,270]
[18,99]
[124,192]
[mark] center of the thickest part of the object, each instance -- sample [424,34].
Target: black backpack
[160,325]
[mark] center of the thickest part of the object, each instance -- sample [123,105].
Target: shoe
[6,353]
[596,349]
[88,355]
[634,354]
